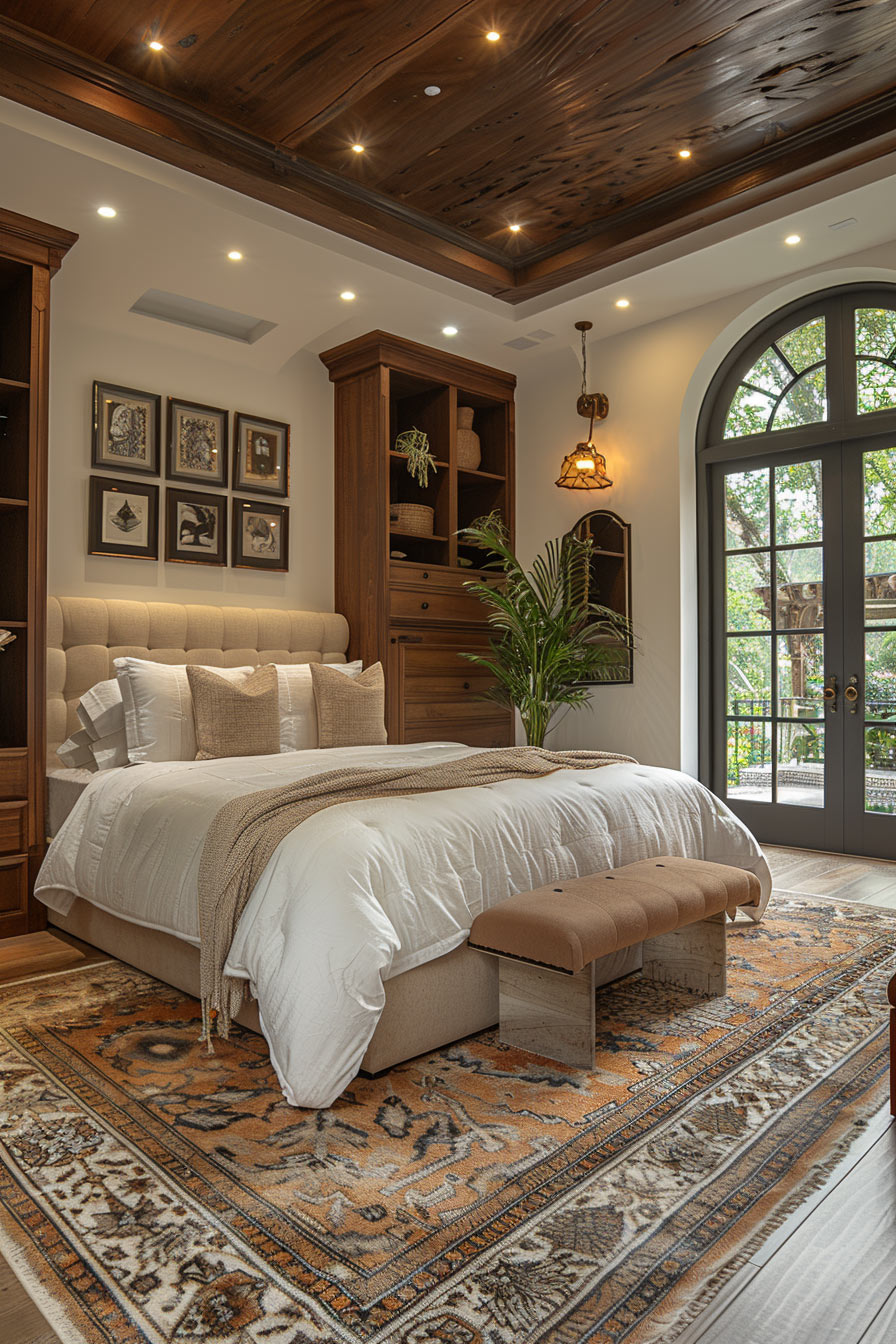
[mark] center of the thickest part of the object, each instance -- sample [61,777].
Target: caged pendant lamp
[586,468]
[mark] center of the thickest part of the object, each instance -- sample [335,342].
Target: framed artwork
[123,518]
[195,527]
[197,443]
[260,455]
[260,535]
[126,429]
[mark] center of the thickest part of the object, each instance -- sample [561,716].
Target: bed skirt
[430,1006]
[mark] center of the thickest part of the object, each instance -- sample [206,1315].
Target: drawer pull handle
[426,573]
[424,606]
[466,685]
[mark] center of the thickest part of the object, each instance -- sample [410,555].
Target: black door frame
[845,428]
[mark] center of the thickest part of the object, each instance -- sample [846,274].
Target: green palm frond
[548,637]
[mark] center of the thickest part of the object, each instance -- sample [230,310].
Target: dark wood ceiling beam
[40,74]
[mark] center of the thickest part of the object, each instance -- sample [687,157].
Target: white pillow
[158,708]
[101,711]
[110,751]
[75,752]
[298,713]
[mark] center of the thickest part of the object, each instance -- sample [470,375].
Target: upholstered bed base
[427,1007]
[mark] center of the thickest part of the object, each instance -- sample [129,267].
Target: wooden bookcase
[30,253]
[413,614]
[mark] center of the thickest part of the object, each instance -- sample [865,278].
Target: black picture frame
[250,460]
[126,429]
[197,434]
[256,554]
[139,521]
[195,527]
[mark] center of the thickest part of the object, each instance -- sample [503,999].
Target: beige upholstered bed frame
[442,1001]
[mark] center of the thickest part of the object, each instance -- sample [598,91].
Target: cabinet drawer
[13,774]
[484,733]
[442,577]
[418,605]
[12,827]
[13,886]
[440,716]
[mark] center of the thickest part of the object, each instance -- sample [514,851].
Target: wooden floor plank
[882,1329]
[20,1320]
[34,953]
[833,1275]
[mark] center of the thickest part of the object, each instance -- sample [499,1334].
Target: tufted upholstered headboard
[84,634]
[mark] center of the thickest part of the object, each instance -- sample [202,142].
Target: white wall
[300,393]
[656,377]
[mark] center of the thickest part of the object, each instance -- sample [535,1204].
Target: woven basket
[416,519]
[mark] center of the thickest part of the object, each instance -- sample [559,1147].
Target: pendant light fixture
[586,468]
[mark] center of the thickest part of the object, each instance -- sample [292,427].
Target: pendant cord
[584,367]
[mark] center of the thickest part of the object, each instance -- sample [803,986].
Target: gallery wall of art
[299,397]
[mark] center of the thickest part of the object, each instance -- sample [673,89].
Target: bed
[388,889]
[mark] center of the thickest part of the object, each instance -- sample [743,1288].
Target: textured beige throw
[247,830]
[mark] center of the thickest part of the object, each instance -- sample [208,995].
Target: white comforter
[365,890]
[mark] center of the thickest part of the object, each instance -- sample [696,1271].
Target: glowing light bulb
[449,331]
[684,153]
[357,148]
[792,239]
[514,228]
[584,464]
[234,255]
[623,303]
[492,36]
[348,295]
[155,46]
[107,211]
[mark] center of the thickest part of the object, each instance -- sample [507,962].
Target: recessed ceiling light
[514,228]
[432,90]
[155,46]
[623,303]
[107,211]
[792,239]
[493,36]
[449,331]
[234,255]
[348,295]
[684,153]
[358,148]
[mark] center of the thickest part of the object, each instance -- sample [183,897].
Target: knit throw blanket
[247,830]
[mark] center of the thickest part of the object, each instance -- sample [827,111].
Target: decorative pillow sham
[235,718]
[110,751]
[298,713]
[75,753]
[158,708]
[351,711]
[100,709]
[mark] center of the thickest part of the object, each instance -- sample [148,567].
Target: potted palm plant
[549,636]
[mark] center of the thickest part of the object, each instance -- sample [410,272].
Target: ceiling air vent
[521,343]
[200,316]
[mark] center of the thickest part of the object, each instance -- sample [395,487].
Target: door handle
[851,694]
[830,694]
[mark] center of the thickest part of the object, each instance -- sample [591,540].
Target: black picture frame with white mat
[126,429]
[195,527]
[123,518]
[197,443]
[260,455]
[260,535]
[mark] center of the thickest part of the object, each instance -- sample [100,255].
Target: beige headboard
[84,634]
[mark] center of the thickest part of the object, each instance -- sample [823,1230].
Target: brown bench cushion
[569,924]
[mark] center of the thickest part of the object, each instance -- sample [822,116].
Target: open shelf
[416,536]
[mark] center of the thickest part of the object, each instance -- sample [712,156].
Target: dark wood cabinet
[413,613]
[30,253]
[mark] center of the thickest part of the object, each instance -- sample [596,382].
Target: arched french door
[797,503]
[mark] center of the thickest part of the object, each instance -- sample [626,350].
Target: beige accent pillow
[351,711]
[235,718]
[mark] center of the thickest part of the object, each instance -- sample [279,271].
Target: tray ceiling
[569,126]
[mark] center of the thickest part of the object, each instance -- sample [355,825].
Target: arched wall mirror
[610,581]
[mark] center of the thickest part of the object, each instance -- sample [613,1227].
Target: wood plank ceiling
[570,125]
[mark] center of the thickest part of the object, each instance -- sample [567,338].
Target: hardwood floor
[827,1275]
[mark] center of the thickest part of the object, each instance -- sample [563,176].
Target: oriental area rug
[477,1195]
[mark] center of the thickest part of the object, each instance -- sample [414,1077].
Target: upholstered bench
[549,939]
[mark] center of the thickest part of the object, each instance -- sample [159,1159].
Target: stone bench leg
[547,1012]
[692,957]
[550,1013]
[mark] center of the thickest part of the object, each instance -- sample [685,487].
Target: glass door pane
[774,637]
[877,698]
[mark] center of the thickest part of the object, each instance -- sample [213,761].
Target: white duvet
[363,891]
